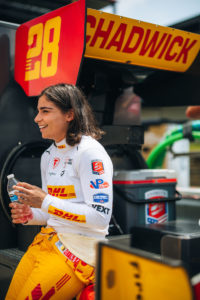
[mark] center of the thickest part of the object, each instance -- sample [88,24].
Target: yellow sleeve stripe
[66,215]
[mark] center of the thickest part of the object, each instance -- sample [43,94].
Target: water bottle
[11,192]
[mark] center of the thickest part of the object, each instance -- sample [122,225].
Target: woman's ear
[70,115]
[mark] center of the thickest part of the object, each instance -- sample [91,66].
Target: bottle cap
[10,176]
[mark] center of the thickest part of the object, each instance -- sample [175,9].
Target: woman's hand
[29,194]
[20,213]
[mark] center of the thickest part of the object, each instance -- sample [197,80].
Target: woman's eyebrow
[44,107]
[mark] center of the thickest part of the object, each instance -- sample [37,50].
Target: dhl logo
[61,191]
[37,293]
[61,147]
[66,215]
[115,38]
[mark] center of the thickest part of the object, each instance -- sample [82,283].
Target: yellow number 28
[47,66]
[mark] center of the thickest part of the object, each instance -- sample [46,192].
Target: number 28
[46,65]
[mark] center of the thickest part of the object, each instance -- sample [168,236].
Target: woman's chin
[46,136]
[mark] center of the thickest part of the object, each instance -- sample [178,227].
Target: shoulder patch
[97,167]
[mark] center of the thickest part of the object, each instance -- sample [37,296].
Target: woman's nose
[37,118]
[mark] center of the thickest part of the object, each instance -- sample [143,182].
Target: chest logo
[68,161]
[61,191]
[56,162]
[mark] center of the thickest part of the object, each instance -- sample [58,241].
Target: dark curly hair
[66,97]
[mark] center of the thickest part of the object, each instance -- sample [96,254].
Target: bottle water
[11,192]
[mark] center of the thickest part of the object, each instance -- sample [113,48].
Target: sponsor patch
[52,173]
[101,208]
[101,198]
[56,162]
[68,161]
[97,167]
[61,147]
[66,215]
[62,173]
[62,191]
[99,184]
[67,253]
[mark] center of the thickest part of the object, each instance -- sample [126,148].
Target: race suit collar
[62,145]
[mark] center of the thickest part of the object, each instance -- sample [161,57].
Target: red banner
[49,49]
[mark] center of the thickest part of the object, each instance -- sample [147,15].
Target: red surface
[88,293]
[145,181]
[62,48]
[157,210]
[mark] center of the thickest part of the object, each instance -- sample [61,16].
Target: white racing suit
[77,211]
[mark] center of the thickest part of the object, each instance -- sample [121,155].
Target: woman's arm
[24,214]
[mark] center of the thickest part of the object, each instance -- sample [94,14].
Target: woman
[75,201]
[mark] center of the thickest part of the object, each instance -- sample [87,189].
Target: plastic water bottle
[11,192]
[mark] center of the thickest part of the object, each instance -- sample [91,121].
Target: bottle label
[13,198]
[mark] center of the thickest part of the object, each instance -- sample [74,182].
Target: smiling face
[53,123]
